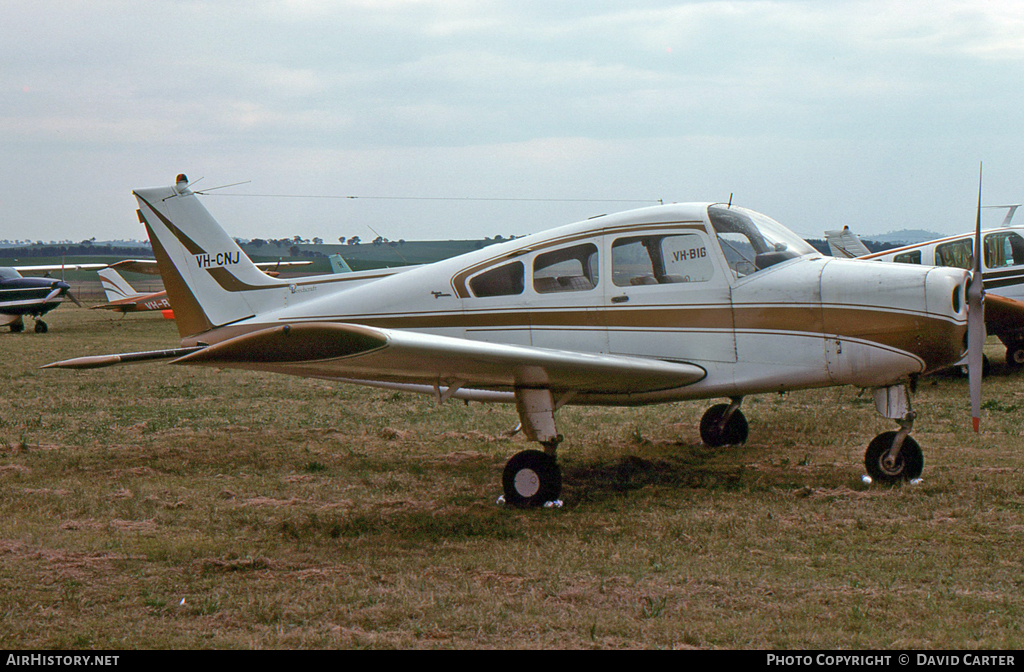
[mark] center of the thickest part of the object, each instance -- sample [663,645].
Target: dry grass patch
[163,507]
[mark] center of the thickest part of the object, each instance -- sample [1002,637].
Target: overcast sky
[819,114]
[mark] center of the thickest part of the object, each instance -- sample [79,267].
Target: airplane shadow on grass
[691,469]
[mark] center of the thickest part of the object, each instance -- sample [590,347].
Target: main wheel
[531,478]
[906,467]
[17,327]
[733,434]
[41,327]
[1015,355]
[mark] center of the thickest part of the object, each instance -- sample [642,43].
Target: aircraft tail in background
[845,244]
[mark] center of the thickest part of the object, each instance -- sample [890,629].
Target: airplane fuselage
[658,283]
[30,296]
[1002,264]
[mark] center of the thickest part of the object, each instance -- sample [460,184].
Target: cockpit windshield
[9,274]
[752,242]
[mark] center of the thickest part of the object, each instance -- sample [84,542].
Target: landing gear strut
[532,477]
[724,425]
[1015,354]
[893,457]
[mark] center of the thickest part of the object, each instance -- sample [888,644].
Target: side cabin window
[572,269]
[957,253]
[913,257]
[1004,249]
[660,259]
[504,280]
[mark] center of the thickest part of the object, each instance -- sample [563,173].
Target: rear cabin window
[573,269]
[908,257]
[504,280]
[1004,249]
[956,254]
[660,260]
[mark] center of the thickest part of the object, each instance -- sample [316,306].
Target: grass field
[153,506]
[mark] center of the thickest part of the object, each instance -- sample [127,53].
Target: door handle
[620,299]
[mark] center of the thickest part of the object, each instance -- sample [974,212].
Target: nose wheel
[41,327]
[888,463]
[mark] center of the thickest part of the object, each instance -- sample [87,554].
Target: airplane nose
[946,301]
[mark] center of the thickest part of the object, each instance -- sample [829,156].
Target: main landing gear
[724,425]
[894,457]
[532,477]
[1014,354]
[18,326]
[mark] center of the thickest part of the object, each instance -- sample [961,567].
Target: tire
[1015,356]
[733,434]
[41,327]
[531,478]
[908,466]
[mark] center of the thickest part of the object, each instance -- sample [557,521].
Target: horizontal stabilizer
[150,267]
[100,361]
[330,350]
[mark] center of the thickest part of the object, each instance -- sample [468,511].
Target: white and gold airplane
[661,304]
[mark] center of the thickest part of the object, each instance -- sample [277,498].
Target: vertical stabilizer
[209,280]
[339,265]
[115,286]
[845,244]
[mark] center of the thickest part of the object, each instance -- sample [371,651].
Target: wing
[32,270]
[371,355]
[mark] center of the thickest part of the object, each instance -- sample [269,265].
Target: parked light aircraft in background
[34,297]
[661,304]
[122,297]
[1002,270]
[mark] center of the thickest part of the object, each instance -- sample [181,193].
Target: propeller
[66,287]
[976,321]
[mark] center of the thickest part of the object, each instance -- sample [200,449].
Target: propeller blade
[73,298]
[976,322]
[53,294]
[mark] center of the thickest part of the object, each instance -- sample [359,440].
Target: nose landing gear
[894,457]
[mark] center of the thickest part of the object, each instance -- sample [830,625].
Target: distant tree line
[79,250]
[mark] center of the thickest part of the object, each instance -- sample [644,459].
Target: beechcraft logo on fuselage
[218,260]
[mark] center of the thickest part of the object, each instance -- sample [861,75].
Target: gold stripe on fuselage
[921,335]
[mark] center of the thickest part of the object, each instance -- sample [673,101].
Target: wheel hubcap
[527,482]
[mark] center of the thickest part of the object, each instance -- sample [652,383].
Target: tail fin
[114,286]
[845,244]
[339,265]
[210,282]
